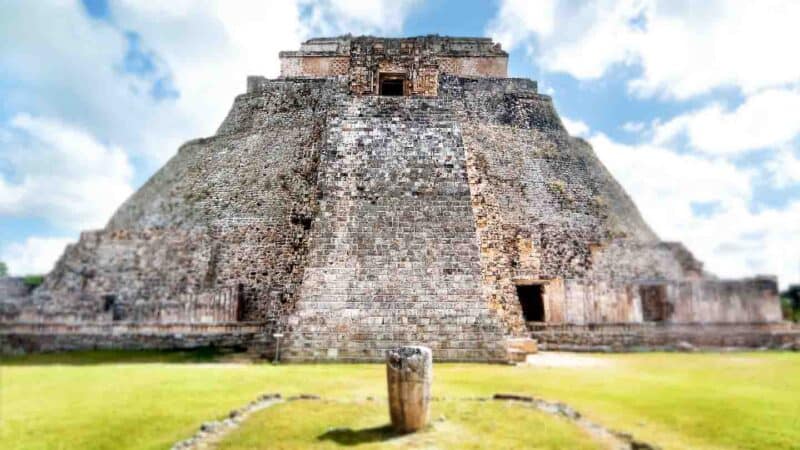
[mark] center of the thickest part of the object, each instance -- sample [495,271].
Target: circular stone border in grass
[503,421]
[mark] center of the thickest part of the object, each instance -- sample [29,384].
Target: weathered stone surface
[14,296]
[418,60]
[409,375]
[663,336]
[519,348]
[24,338]
[394,258]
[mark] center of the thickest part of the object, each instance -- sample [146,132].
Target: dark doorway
[392,84]
[532,302]
[110,304]
[655,307]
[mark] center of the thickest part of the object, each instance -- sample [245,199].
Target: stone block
[409,375]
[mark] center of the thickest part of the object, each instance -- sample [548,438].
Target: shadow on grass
[348,436]
[97,357]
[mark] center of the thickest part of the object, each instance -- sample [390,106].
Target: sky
[693,106]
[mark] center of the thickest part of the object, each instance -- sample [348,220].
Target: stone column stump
[409,374]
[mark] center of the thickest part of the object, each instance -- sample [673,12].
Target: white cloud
[671,181]
[72,72]
[33,256]
[62,174]
[681,174]
[733,240]
[212,46]
[580,39]
[209,47]
[765,119]
[329,17]
[518,20]
[784,168]
[634,127]
[683,48]
[80,118]
[575,127]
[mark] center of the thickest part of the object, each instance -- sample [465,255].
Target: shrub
[790,303]
[786,308]
[33,280]
[557,187]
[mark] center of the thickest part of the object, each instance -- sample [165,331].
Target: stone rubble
[616,439]
[212,431]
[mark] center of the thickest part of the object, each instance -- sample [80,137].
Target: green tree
[791,302]
[33,280]
[3,269]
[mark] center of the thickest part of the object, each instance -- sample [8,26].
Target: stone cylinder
[409,374]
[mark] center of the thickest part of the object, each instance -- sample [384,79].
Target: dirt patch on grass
[566,360]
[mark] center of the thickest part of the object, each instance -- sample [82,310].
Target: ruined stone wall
[540,201]
[394,257]
[664,336]
[420,59]
[228,212]
[24,338]
[622,267]
[727,301]
[14,296]
[548,212]
[13,287]
[125,274]
[314,66]
[609,292]
[473,66]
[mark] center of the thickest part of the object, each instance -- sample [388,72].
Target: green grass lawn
[457,424]
[151,400]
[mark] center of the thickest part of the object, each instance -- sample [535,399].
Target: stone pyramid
[385,192]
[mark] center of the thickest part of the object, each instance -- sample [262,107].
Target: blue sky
[691,107]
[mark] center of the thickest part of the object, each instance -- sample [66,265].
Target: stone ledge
[129,328]
[649,336]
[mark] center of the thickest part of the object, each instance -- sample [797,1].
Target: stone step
[382,119]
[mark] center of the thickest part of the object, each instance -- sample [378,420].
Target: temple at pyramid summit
[383,192]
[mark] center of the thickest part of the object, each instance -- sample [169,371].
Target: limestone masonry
[384,192]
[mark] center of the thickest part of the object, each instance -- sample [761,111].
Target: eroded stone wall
[314,66]
[394,257]
[473,66]
[14,297]
[548,212]
[24,338]
[419,59]
[125,274]
[540,201]
[227,214]
[668,336]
